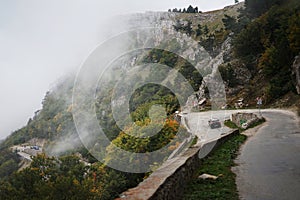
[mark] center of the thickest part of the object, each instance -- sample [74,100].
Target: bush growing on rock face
[230,23]
[228,75]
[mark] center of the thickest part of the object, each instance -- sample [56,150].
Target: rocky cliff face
[186,46]
[296,72]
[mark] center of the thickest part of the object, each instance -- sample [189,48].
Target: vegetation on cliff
[265,37]
[218,163]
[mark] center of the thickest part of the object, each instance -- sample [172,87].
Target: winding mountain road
[269,163]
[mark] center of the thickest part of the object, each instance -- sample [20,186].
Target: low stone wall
[240,118]
[169,180]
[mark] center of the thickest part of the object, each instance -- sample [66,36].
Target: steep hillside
[268,47]
[254,50]
[264,46]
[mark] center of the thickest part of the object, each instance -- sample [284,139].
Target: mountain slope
[254,53]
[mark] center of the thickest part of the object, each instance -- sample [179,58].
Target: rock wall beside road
[241,118]
[169,180]
[296,72]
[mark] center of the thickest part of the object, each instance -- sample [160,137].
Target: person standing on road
[259,103]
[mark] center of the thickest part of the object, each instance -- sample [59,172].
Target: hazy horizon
[44,40]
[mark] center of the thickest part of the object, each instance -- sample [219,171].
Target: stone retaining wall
[168,181]
[240,118]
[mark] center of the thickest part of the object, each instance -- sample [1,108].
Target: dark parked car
[214,123]
[35,147]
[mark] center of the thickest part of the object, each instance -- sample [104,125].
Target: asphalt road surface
[269,163]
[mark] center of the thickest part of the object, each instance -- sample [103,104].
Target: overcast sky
[41,40]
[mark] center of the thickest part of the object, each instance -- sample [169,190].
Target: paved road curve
[269,164]
[198,122]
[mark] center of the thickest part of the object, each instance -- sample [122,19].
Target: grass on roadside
[217,163]
[230,124]
[259,122]
[195,140]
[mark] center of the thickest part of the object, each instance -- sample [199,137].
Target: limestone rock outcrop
[296,72]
